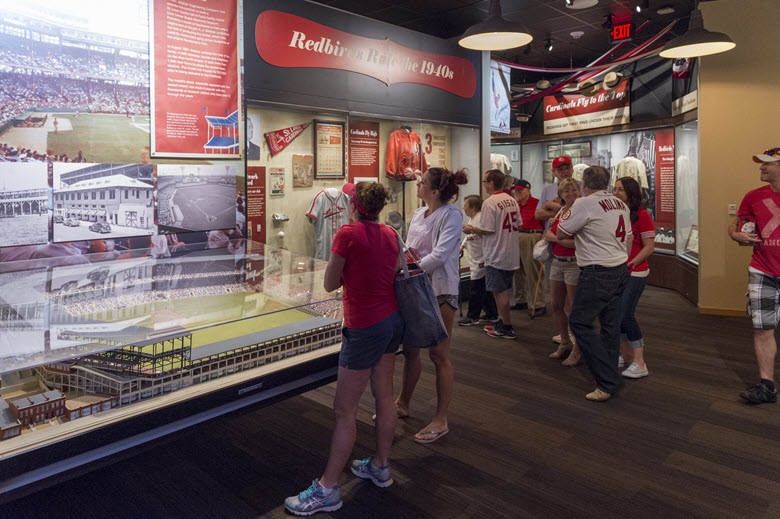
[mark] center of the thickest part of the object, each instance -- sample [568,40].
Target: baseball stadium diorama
[95,339]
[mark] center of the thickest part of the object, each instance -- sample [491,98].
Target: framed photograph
[553,151]
[692,244]
[515,156]
[303,170]
[328,149]
[547,172]
[577,149]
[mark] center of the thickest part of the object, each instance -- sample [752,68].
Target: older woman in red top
[363,260]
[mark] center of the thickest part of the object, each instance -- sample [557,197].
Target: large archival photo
[74,87]
[196,197]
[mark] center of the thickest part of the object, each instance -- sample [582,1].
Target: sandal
[560,353]
[400,412]
[434,435]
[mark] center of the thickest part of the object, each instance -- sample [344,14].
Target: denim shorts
[361,348]
[497,280]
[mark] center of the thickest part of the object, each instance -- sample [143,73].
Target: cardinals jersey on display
[601,225]
[404,159]
[328,212]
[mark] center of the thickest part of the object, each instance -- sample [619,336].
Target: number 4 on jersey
[620,232]
[510,225]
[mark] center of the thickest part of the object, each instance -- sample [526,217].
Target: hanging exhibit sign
[286,40]
[568,113]
[499,97]
[255,203]
[278,140]
[195,90]
[664,188]
[363,149]
[685,104]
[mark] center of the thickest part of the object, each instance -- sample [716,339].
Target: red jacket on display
[404,158]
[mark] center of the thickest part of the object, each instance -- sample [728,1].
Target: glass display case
[115,347]
[687,178]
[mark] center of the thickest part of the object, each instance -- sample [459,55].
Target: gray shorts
[497,280]
[447,299]
[763,298]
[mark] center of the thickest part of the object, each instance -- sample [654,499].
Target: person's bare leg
[382,389]
[445,376]
[349,388]
[502,303]
[574,357]
[412,370]
[766,349]
[558,296]
[637,356]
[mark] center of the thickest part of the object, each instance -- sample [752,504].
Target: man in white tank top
[601,226]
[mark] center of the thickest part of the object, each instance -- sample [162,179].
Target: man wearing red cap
[758,225]
[548,207]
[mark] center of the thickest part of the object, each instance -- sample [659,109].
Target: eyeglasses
[486,181]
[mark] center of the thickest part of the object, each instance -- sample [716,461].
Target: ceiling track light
[569,2]
[494,33]
[642,5]
[548,45]
[697,41]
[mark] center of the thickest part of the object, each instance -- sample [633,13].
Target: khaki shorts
[566,271]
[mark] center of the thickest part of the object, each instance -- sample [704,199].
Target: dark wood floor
[523,442]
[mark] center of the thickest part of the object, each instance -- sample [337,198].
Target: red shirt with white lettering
[643,228]
[558,249]
[763,204]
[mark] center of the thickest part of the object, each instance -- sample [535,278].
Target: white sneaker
[634,371]
[621,362]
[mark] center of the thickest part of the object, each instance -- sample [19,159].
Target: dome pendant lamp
[698,41]
[494,33]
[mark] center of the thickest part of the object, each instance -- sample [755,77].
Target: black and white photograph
[196,197]
[98,201]
[24,204]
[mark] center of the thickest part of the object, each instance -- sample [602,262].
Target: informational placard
[255,203]
[435,149]
[664,187]
[363,149]
[195,88]
[499,97]
[568,113]
[276,176]
[686,103]
[328,149]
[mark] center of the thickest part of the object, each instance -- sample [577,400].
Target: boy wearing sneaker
[472,243]
[758,225]
[499,225]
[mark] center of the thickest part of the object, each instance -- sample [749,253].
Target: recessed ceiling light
[576,34]
[667,9]
[581,4]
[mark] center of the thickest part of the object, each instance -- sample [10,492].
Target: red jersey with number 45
[763,204]
[501,216]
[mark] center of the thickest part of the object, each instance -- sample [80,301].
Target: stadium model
[127,331]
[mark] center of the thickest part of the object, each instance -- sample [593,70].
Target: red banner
[278,140]
[255,203]
[664,182]
[568,113]
[286,40]
[363,149]
[195,79]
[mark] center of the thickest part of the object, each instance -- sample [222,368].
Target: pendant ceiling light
[698,41]
[494,33]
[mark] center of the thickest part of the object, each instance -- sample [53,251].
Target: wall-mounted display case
[106,353]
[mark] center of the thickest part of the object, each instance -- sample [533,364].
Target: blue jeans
[598,295]
[629,328]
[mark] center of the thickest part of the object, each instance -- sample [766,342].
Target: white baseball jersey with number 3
[600,224]
[501,216]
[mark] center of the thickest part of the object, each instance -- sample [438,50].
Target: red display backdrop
[195,79]
[363,149]
[568,113]
[286,40]
[664,182]
[255,203]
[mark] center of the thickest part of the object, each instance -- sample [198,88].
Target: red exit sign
[621,32]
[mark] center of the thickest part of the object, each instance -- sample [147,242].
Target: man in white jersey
[499,225]
[601,226]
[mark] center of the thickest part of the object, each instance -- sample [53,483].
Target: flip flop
[398,412]
[436,436]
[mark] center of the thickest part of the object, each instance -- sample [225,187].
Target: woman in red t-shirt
[642,227]
[564,274]
[363,260]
